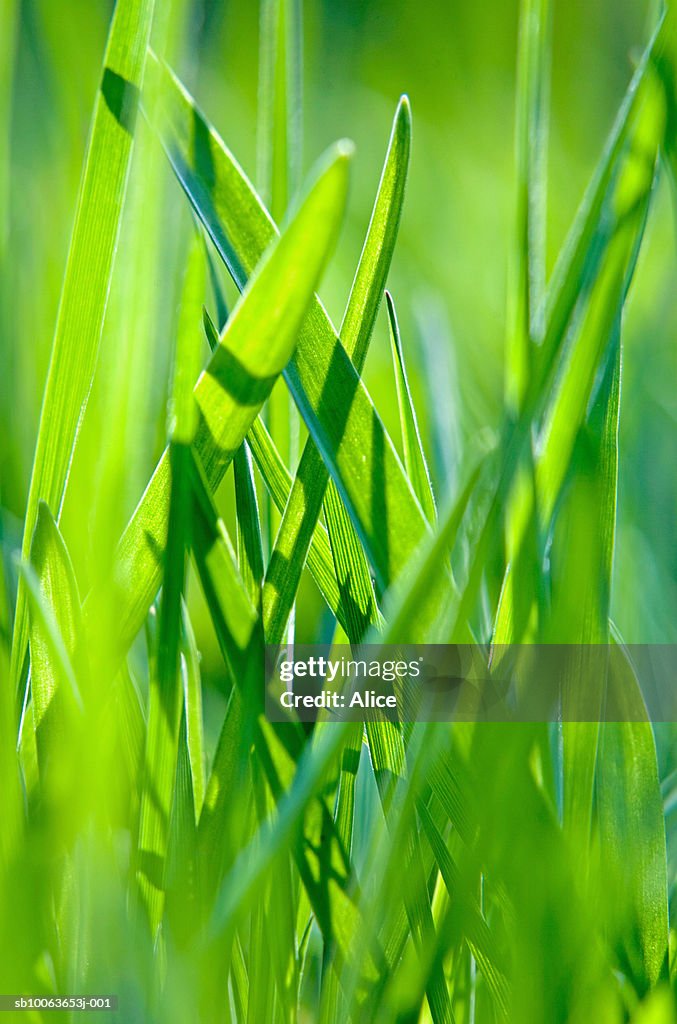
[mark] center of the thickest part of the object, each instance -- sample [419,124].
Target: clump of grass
[205,862]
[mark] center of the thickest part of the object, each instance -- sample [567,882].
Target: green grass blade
[54,628]
[412,607]
[278,481]
[396,853]
[249,539]
[629,210]
[88,273]
[249,544]
[255,346]
[333,1009]
[166,696]
[632,830]
[235,616]
[303,508]
[526,294]
[192,696]
[520,589]
[301,812]
[279,153]
[526,302]
[414,458]
[627,205]
[584,538]
[280,125]
[181,886]
[479,937]
[358,599]
[580,257]
[332,399]
[238,889]
[665,62]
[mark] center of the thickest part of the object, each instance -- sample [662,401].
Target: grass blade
[585,538]
[331,397]
[255,346]
[192,696]
[279,151]
[526,301]
[414,458]
[632,830]
[278,481]
[249,545]
[54,630]
[627,202]
[303,508]
[280,123]
[88,273]
[166,693]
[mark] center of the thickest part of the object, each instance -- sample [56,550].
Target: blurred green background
[456,60]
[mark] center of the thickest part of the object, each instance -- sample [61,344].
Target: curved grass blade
[357,601]
[580,257]
[414,458]
[255,346]
[626,204]
[249,540]
[278,481]
[628,208]
[88,274]
[305,501]
[331,397]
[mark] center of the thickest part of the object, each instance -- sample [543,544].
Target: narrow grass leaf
[310,485]
[331,397]
[414,458]
[88,274]
[163,756]
[280,124]
[55,622]
[254,348]
[279,157]
[222,582]
[478,934]
[249,544]
[526,302]
[632,829]
[279,482]
[626,205]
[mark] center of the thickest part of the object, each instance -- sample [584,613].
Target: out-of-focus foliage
[495,460]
